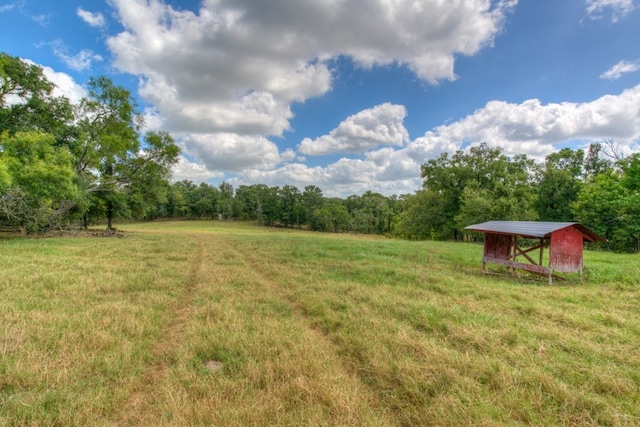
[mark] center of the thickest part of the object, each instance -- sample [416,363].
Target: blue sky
[348,95]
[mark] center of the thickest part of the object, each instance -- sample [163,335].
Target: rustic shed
[564,239]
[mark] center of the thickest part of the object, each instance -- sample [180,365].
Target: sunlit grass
[307,329]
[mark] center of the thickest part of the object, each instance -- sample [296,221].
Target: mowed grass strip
[201,323]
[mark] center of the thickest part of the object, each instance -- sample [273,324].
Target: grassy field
[229,324]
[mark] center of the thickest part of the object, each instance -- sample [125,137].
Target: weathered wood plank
[514,264]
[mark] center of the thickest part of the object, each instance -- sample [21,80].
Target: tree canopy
[57,161]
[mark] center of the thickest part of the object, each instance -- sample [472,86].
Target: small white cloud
[597,9]
[622,67]
[288,155]
[42,20]
[80,61]
[380,125]
[7,7]
[95,20]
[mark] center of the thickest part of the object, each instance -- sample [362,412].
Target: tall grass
[209,323]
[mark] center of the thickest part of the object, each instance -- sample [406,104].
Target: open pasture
[231,324]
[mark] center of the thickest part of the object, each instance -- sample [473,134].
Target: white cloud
[223,78]
[95,20]
[380,125]
[7,7]
[206,70]
[65,85]
[340,179]
[232,152]
[42,20]
[80,61]
[192,171]
[622,67]
[530,128]
[596,9]
[533,128]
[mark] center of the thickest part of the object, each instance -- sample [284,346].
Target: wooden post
[541,251]
[514,244]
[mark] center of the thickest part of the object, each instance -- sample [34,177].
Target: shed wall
[566,250]
[497,245]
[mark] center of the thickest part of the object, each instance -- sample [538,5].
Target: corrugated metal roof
[536,229]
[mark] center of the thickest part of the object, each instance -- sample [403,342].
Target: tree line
[598,188]
[64,165]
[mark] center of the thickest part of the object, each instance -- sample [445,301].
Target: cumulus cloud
[596,9]
[224,77]
[622,67]
[95,20]
[380,125]
[533,128]
[231,151]
[205,69]
[192,171]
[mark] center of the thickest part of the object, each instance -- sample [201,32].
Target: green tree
[559,184]
[290,206]
[269,205]
[39,181]
[120,175]
[26,101]
[107,141]
[225,200]
[312,199]
[424,216]
[505,181]
[146,181]
[610,205]
[332,216]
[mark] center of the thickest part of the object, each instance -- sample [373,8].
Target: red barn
[565,241]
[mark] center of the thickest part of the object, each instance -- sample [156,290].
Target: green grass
[311,329]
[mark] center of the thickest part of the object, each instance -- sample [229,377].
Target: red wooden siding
[497,245]
[566,250]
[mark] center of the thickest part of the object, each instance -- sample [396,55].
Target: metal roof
[536,229]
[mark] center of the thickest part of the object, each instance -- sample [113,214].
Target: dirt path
[139,406]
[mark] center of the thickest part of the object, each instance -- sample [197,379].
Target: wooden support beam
[534,268]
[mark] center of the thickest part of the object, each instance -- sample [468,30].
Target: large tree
[482,174]
[559,183]
[119,174]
